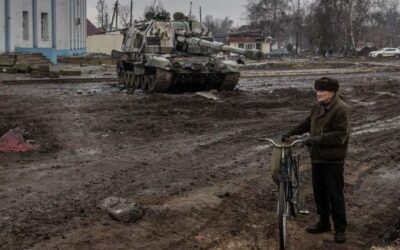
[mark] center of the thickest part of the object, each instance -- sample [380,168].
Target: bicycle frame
[288,185]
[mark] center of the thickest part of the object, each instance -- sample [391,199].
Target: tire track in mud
[167,150]
[88,197]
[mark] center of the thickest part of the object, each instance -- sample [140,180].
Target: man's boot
[320,227]
[340,237]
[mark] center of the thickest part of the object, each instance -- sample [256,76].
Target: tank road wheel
[230,81]
[125,77]
[138,81]
[163,81]
[129,80]
[144,85]
[132,80]
[119,75]
[159,82]
[151,83]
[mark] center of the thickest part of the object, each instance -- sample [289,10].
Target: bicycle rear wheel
[282,213]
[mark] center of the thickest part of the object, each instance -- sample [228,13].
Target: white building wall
[265,47]
[63,24]
[104,43]
[71,24]
[2,28]
[68,19]
[44,6]
[79,22]
[15,21]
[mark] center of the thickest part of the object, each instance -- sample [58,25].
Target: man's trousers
[328,183]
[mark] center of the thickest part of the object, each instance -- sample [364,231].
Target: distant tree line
[337,25]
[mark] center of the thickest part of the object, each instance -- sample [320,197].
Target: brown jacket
[329,130]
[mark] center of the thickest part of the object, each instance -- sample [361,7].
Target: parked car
[366,50]
[278,53]
[395,52]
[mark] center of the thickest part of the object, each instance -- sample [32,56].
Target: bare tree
[359,11]
[218,25]
[155,8]
[124,13]
[272,16]
[310,25]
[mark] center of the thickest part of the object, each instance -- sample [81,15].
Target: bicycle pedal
[304,212]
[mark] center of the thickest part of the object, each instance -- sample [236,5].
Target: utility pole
[298,28]
[200,13]
[106,26]
[116,16]
[102,15]
[130,20]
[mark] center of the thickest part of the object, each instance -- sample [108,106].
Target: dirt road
[195,164]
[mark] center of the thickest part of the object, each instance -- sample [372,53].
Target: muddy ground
[195,164]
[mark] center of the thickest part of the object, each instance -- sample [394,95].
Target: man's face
[324,96]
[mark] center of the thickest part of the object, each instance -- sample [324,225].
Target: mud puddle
[271,83]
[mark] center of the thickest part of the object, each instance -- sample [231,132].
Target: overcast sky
[235,9]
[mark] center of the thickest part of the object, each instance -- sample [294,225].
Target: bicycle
[288,189]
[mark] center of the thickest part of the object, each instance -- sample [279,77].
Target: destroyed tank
[161,54]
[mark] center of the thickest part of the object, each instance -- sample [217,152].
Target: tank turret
[161,54]
[217,46]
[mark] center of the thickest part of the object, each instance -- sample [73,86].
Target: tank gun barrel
[248,53]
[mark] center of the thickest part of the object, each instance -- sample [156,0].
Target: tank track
[160,81]
[157,81]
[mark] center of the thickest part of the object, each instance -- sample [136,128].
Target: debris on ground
[208,95]
[197,164]
[70,72]
[13,141]
[122,210]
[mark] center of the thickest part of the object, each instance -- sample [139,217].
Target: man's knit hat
[327,84]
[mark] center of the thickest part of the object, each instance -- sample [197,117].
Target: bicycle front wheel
[282,213]
[294,187]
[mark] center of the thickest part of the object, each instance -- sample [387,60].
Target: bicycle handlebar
[283,145]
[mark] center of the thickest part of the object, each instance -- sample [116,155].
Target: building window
[250,46]
[25,25]
[241,45]
[45,26]
[259,46]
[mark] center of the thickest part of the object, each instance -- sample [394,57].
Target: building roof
[92,30]
[246,32]
[242,39]
[220,37]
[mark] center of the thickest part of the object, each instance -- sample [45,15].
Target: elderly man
[329,126]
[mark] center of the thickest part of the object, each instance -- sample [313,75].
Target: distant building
[100,41]
[250,39]
[221,37]
[92,29]
[51,27]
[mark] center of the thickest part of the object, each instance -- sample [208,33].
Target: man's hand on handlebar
[309,141]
